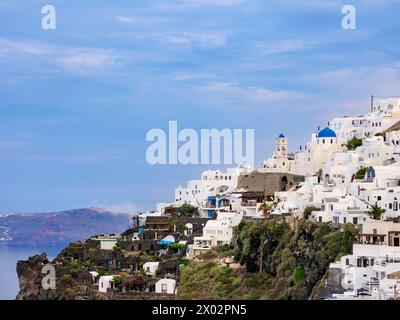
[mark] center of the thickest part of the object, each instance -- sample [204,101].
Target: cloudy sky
[76,102]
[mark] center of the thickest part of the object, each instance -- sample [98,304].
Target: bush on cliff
[278,263]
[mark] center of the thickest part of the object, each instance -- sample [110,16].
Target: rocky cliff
[274,261]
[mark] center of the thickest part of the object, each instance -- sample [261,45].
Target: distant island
[59,228]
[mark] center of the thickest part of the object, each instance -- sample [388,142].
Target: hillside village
[347,175]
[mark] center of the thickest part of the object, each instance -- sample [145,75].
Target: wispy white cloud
[142,20]
[357,81]
[185,4]
[251,93]
[70,59]
[119,207]
[190,39]
[187,76]
[88,60]
[282,46]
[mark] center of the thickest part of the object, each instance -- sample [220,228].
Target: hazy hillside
[59,228]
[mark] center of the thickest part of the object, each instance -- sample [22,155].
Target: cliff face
[298,260]
[69,284]
[277,262]
[29,276]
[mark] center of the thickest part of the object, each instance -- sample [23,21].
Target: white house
[166,286]
[106,282]
[374,266]
[95,276]
[219,231]
[151,268]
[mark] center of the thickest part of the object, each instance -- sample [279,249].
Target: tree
[299,274]
[187,210]
[354,143]
[349,233]
[376,212]
[361,173]
[308,210]
[118,282]
[266,207]
[262,243]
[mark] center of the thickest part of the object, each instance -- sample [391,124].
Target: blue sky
[76,102]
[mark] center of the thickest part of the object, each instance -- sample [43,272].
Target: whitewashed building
[166,286]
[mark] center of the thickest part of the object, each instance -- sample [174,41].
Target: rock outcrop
[30,277]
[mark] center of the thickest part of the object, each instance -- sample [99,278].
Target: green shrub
[361,173]
[299,274]
[67,277]
[354,143]
[187,210]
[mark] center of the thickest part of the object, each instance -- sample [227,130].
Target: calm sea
[8,262]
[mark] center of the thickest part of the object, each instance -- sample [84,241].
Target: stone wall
[268,183]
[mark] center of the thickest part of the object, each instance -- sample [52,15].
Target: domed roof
[281,135]
[327,133]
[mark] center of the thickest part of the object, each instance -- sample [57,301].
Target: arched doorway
[284,182]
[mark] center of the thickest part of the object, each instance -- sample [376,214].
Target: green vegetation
[176,245]
[349,233]
[103,273]
[299,274]
[376,212]
[277,262]
[118,281]
[361,173]
[267,208]
[184,262]
[187,210]
[216,282]
[354,143]
[79,264]
[67,277]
